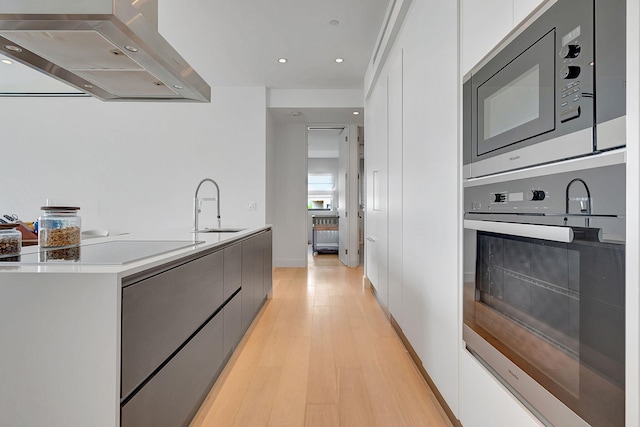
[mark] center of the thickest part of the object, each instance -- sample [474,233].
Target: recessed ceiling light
[339,60]
[355,113]
[7,61]
[178,87]
[88,86]
[282,60]
[131,48]
[12,48]
[334,22]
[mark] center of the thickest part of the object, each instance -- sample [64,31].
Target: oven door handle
[544,232]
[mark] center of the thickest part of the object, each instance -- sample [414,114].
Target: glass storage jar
[10,240]
[59,226]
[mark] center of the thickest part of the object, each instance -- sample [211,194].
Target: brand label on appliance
[572,35]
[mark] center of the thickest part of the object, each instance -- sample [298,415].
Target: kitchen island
[129,341]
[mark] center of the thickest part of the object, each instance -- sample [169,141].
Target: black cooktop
[107,253]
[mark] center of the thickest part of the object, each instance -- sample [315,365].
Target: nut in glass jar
[59,227]
[10,240]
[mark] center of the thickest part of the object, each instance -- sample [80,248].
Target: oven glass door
[518,102]
[556,310]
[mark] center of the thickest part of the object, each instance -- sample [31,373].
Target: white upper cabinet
[485,22]
[521,8]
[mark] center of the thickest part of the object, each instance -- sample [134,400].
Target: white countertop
[202,242]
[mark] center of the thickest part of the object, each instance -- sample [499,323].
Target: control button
[536,195]
[570,114]
[564,104]
[570,72]
[499,197]
[570,51]
[576,98]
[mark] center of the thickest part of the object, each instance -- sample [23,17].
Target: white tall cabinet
[376,262]
[414,250]
[484,23]
[413,221]
[411,156]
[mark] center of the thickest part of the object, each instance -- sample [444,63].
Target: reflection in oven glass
[557,311]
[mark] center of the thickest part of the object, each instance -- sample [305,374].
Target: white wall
[132,166]
[290,180]
[314,98]
[271,169]
[632,359]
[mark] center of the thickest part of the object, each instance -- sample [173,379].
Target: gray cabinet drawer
[232,324]
[232,269]
[249,248]
[172,397]
[160,313]
[268,262]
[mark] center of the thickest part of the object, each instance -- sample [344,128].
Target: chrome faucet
[197,203]
[583,209]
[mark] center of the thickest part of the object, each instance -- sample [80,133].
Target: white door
[343,196]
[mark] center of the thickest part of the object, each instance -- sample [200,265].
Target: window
[320,183]
[320,191]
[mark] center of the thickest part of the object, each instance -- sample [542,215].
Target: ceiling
[243,40]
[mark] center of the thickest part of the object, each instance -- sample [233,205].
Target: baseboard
[366,283]
[416,359]
[294,263]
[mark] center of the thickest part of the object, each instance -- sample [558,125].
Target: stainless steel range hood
[110,49]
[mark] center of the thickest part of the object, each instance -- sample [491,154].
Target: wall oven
[544,288]
[554,89]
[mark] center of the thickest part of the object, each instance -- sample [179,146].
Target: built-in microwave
[553,89]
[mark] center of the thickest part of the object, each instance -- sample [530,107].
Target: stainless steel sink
[220,230]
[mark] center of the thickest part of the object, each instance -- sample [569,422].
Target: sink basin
[220,230]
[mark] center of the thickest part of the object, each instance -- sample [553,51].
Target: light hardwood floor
[320,353]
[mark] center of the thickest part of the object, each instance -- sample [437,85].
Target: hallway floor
[320,353]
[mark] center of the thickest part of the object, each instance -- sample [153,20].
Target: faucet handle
[585,204]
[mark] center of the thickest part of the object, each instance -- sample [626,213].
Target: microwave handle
[544,232]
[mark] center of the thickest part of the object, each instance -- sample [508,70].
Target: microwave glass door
[557,311]
[518,102]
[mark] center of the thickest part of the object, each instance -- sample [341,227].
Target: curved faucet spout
[196,203]
[586,210]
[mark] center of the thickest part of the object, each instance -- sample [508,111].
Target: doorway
[324,195]
[334,193]
[288,200]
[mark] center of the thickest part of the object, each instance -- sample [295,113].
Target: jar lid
[8,226]
[60,208]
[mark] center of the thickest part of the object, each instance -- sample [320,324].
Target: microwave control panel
[570,94]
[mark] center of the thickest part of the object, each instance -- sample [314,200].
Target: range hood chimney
[110,49]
